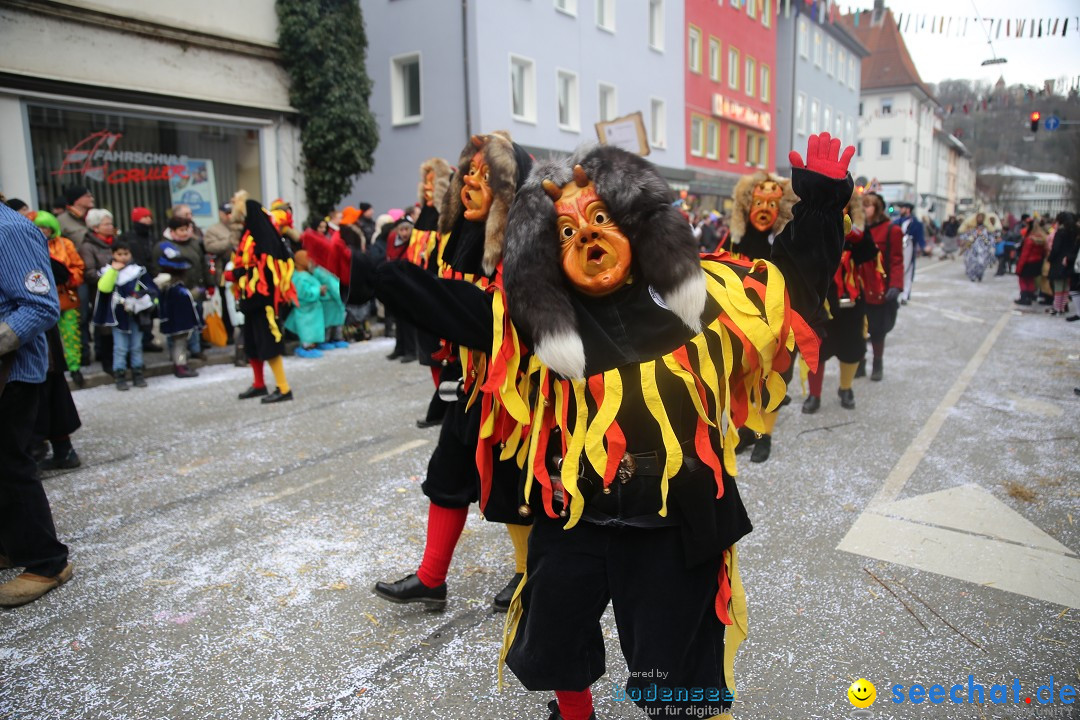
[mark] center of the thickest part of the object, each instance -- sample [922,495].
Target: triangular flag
[1056,21]
[998,36]
[1040,28]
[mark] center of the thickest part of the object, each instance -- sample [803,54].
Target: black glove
[59,271]
[361,279]
[891,294]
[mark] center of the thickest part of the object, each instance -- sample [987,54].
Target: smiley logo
[862,693]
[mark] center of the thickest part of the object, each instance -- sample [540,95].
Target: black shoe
[811,404]
[137,378]
[394,355]
[276,397]
[747,437]
[70,461]
[762,449]
[1072,318]
[861,370]
[878,372]
[501,601]
[847,398]
[408,359]
[78,379]
[1076,391]
[183,371]
[253,392]
[1022,301]
[423,424]
[553,708]
[409,589]
[121,380]
[786,401]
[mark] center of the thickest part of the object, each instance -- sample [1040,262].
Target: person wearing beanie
[367,221]
[68,268]
[78,201]
[350,215]
[180,315]
[141,237]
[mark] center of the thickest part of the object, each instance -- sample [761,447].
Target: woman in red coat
[881,308]
[1029,266]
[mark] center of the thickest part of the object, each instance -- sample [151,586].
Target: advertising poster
[196,189]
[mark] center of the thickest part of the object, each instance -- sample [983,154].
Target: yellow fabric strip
[673,452]
[272,321]
[574,447]
[707,371]
[605,416]
[691,386]
[510,626]
[769,421]
[735,633]
[519,536]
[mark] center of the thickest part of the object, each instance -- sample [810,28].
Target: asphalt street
[225,551]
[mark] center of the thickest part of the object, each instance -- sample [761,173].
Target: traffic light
[1035,121]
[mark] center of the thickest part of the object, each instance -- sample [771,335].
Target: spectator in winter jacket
[126,299]
[96,252]
[181,235]
[74,224]
[1029,266]
[68,268]
[881,311]
[141,238]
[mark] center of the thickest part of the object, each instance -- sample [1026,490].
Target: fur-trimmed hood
[508,165]
[743,198]
[665,256]
[990,220]
[239,206]
[443,171]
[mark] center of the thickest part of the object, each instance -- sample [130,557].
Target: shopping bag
[213,326]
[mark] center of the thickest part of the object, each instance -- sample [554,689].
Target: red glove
[823,156]
[210,291]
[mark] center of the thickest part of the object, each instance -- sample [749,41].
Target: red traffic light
[1035,121]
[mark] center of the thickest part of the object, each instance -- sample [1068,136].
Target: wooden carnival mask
[429,188]
[595,252]
[765,205]
[476,195]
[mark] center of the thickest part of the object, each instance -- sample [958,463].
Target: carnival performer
[860,273]
[978,235]
[881,309]
[262,277]
[764,201]
[645,359]
[472,222]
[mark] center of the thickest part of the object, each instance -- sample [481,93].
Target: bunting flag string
[957,26]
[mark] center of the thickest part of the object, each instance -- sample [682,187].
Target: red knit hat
[139,213]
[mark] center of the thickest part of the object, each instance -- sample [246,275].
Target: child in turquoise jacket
[306,320]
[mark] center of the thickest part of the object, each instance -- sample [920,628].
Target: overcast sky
[1030,60]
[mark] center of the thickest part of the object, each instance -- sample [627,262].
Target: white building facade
[545,70]
[1023,191]
[896,143]
[953,188]
[146,104]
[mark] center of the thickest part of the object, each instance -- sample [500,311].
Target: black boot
[811,404]
[553,708]
[847,398]
[137,378]
[762,448]
[747,437]
[409,589]
[501,602]
[121,379]
[861,370]
[878,372]
[78,379]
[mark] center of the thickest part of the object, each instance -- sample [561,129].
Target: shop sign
[90,158]
[737,112]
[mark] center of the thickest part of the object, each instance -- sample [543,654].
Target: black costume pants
[881,319]
[665,613]
[27,534]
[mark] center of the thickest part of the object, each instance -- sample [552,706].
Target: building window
[605,15]
[814,112]
[608,105]
[851,72]
[658,124]
[712,141]
[763,151]
[566,6]
[826,119]
[766,88]
[405,89]
[838,129]
[858,148]
[860,109]
[886,147]
[803,39]
[751,77]
[841,65]
[733,68]
[752,146]
[850,130]
[697,136]
[732,144]
[714,59]
[766,13]
[567,93]
[522,89]
[818,52]
[800,113]
[830,58]
[656,24]
[751,9]
[886,106]
[693,50]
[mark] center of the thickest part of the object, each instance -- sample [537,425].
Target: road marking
[951,314]
[398,450]
[918,448]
